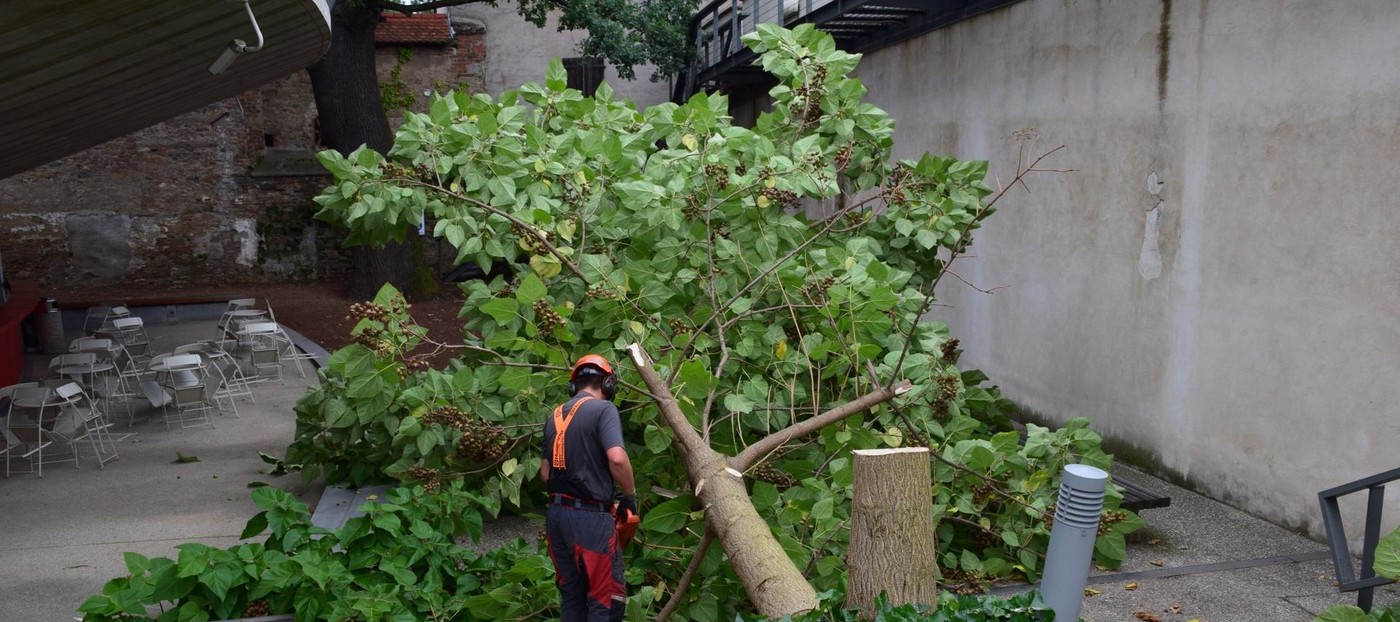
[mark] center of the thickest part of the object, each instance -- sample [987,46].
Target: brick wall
[218,195]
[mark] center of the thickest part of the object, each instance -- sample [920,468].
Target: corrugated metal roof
[84,72]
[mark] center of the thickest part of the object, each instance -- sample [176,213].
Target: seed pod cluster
[815,291]
[373,338]
[679,326]
[694,207]
[421,172]
[950,352]
[257,608]
[545,316]
[843,156]
[809,97]
[985,539]
[765,472]
[601,292]
[717,174]
[529,238]
[375,311]
[482,442]
[508,289]
[1109,518]
[784,198]
[413,365]
[430,478]
[449,416]
[915,439]
[948,386]
[573,195]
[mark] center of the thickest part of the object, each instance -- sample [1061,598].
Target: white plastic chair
[192,405]
[132,330]
[264,340]
[290,351]
[81,420]
[25,423]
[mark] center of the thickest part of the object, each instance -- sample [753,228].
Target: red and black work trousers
[587,563]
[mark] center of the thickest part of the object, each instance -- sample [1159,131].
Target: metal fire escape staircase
[722,62]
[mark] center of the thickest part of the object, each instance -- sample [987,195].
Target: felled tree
[777,277]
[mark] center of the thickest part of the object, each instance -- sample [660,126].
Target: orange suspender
[561,424]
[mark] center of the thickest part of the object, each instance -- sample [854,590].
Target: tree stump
[893,546]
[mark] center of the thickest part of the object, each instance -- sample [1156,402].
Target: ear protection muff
[609,383]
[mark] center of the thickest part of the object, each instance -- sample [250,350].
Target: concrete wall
[1240,330]
[518,52]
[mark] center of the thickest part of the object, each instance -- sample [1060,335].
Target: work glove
[625,504]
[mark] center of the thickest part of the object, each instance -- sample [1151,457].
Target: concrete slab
[63,534]
[1214,563]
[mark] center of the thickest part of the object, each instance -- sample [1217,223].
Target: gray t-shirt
[595,428]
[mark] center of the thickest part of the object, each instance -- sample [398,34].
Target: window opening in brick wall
[585,73]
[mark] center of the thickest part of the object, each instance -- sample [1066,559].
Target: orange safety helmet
[594,360]
[602,365]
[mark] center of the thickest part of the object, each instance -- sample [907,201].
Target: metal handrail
[1347,577]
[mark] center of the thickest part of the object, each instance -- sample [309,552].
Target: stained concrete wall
[518,52]
[1240,329]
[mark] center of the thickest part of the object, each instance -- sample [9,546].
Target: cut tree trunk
[893,546]
[350,113]
[773,583]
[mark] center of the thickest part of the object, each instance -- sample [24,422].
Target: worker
[583,460]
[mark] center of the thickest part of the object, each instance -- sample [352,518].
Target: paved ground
[63,535]
[1213,563]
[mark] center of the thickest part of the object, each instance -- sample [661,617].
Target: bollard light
[1072,539]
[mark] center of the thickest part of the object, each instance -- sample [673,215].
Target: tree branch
[683,584]
[807,426]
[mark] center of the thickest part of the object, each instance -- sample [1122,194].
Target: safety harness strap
[561,425]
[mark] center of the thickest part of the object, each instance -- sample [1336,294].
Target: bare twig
[969,284]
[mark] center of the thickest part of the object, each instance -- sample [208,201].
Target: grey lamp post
[1072,540]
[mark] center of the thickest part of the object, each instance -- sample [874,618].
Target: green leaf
[183,459]
[658,440]
[256,525]
[1341,613]
[556,78]
[1110,549]
[136,563]
[1388,556]
[546,266]
[705,608]
[531,288]
[737,402]
[502,310]
[668,517]
[822,509]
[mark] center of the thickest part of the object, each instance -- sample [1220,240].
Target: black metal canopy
[722,62]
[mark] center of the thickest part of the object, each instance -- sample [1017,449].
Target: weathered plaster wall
[518,52]
[1241,328]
